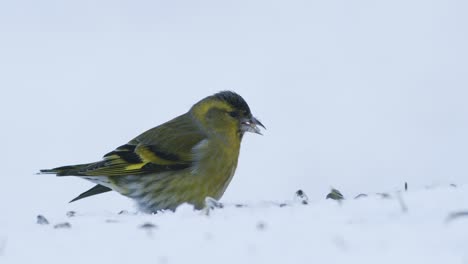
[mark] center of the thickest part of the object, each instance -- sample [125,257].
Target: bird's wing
[167,147]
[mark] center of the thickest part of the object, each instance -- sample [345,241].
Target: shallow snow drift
[423,226]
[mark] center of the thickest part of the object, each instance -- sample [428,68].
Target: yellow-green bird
[185,160]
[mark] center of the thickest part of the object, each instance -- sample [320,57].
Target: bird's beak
[251,125]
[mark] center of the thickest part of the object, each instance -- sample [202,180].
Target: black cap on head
[234,100]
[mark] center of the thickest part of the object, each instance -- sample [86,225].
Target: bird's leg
[212,203]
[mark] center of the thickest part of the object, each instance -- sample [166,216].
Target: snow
[365,230]
[357,95]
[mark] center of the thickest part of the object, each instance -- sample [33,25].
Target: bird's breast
[215,165]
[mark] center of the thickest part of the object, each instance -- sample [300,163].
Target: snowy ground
[419,226]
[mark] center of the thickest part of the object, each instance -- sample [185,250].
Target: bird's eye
[234,114]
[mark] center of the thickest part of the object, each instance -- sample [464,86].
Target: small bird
[185,160]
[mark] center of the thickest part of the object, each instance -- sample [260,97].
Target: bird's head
[226,113]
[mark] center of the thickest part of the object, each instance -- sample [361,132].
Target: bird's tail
[70,170]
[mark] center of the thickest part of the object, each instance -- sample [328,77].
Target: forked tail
[71,170]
